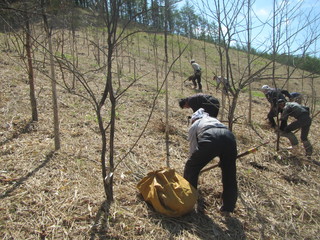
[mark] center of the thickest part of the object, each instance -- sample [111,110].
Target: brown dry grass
[59,195]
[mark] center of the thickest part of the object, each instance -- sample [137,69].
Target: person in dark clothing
[209,103]
[273,95]
[196,75]
[210,138]
[296,97]
[303,121]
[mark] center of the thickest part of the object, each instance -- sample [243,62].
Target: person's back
[294,109]
[273,95]
[220,79]
[296,97]
[196,67]
[209,138]
[224,81]
[209,103]
[303,122]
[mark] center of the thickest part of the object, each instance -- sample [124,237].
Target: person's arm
[192,137]
[269,97]
[218,82]
[285,114]
[286,93]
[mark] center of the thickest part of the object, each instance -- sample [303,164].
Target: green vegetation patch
[257,94]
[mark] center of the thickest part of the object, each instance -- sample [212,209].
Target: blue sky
[301,33]
[303,10]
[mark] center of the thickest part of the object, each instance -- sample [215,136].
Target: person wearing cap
[303,121]
[209,103]
[273,95]
[209,138]
[196,75]
[296,97]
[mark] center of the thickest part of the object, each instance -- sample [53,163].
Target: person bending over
[209,103]
[273,95]
[209,138]
[303,121]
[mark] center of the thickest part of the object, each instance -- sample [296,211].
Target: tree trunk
[33,99]
[232,110]
[249,60]
[205,62]
[53,82]
[166,80]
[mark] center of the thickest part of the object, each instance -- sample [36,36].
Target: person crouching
[303,121]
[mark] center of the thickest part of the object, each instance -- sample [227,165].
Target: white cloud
[262,12]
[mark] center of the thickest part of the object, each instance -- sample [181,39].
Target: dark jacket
[209,103]
[293,109]
[275,94]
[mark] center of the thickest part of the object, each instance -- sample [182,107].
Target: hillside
[59,195]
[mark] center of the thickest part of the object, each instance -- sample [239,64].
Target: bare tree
[234,20]
[105,103]
[230,24]
[156,57]
[48,31]
[28,46]
[249,26]
[23,43]
[166,80]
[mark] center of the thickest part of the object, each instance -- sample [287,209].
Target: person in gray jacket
[209,138]
[303,121]
[225,83]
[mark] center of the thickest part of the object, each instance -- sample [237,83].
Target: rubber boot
[308,147]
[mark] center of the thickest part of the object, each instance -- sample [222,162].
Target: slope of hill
[59,195]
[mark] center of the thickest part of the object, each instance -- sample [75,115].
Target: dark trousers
[197,77]
[274,111]
[303,122]
[222,144]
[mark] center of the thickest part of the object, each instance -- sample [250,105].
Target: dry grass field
[59,195]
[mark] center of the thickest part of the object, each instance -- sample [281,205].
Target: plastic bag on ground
[168,192]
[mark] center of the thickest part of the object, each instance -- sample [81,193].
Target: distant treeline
[184,21]
[307,63]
